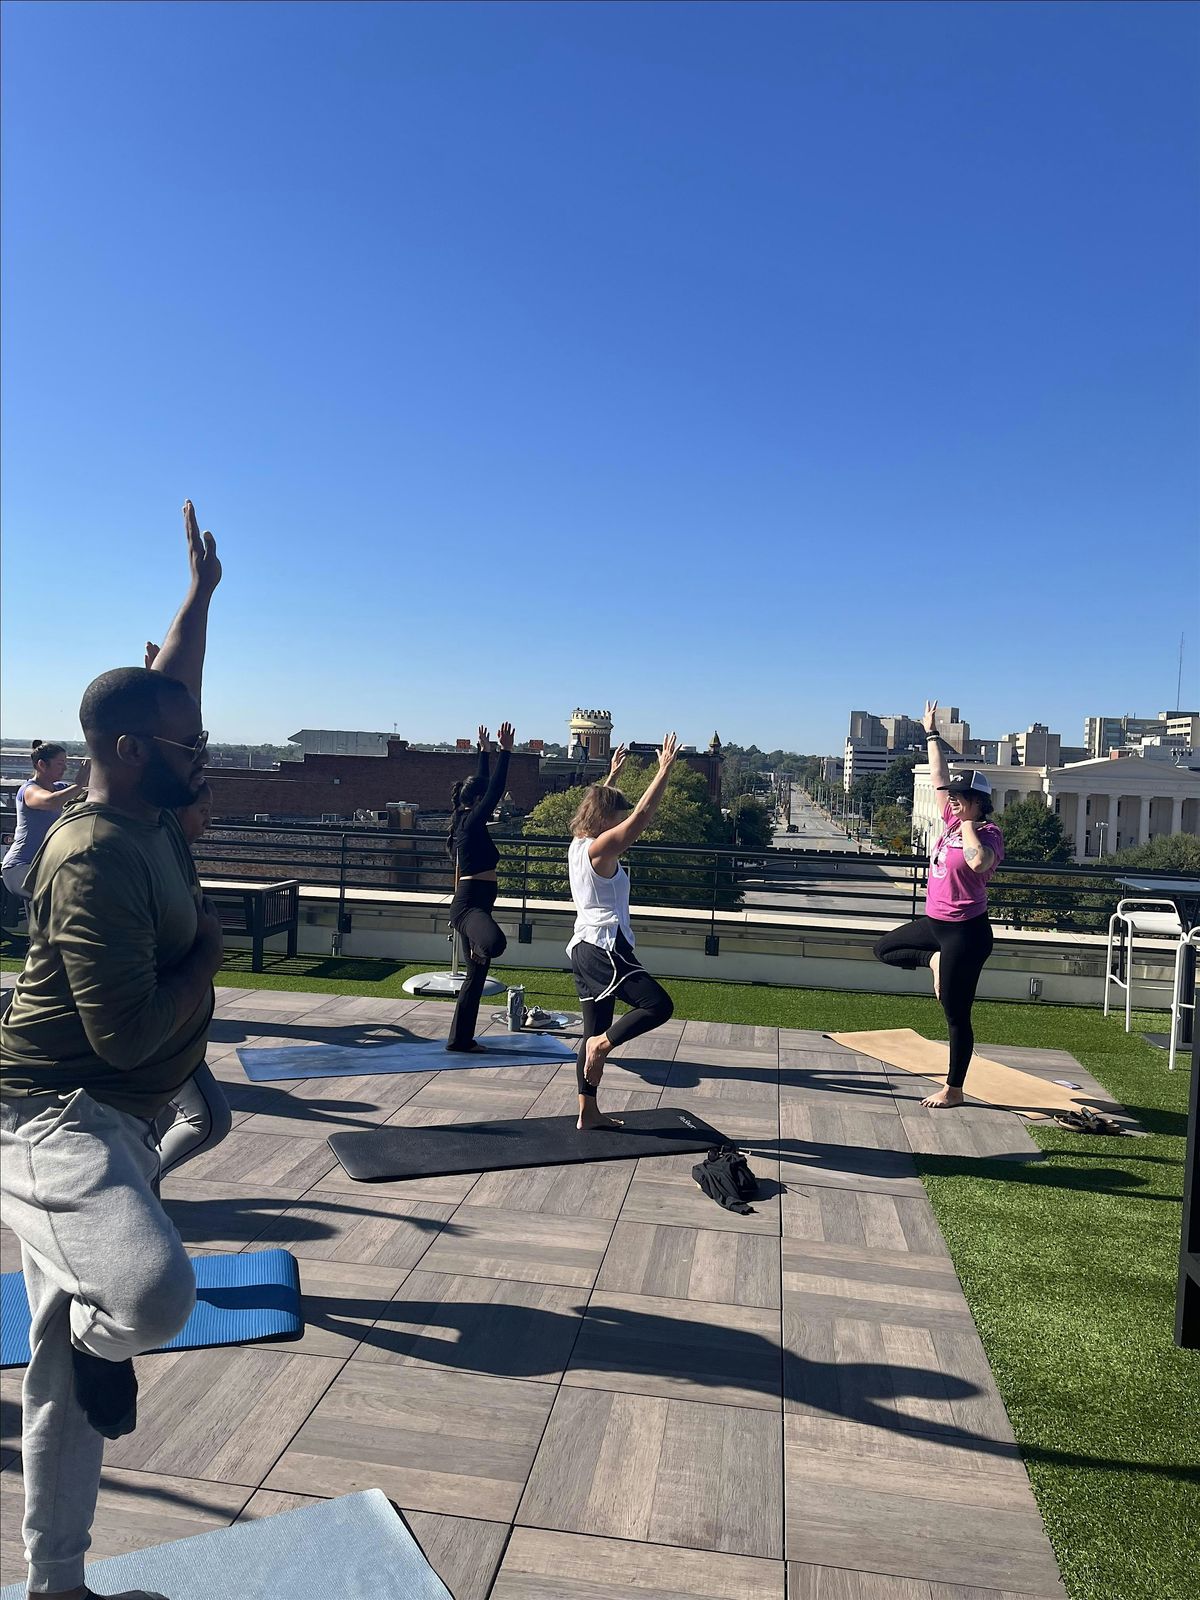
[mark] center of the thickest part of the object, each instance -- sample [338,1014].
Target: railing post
[712,944]
[340,929]
[525,927]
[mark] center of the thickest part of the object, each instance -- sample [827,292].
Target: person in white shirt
[603,962]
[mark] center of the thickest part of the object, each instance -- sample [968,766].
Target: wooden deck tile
[270,1503]
[730,1035]
[449,1442]
[882,1288]
[665,1471]
[836,1583]
[486,1242]
[222,1216]
[755,1084]
[224,1415]
[741,1269]
[133,1510]
[487,1325]
[812,1039]
[872,1220]
[586,1189]
[845,1148]
[485,1099]
[900,1370]
[663,1192]
[329,1226]
[253,1159]
[462,1551]
[929,1523]
[680,1349]
[741,1120]
[341,1299]
[568,1566]
[973,1131]
[10,1251]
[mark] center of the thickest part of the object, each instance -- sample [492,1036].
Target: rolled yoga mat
[268,1065]
[376,1155]
[239,1299]
[352,1548]
[989,1081]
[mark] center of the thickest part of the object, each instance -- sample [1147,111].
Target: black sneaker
[107,1391]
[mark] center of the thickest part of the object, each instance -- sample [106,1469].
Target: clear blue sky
[730,366]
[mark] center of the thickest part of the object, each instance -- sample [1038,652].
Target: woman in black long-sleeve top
[474,852]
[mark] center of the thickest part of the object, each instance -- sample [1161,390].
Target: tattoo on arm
[971,853]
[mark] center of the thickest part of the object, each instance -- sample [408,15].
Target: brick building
[337,785]
[328,785]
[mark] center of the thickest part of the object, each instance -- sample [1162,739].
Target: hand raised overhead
[670,749]
[202,552]
[506,736]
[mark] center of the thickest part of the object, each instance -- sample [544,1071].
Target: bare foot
[467,1049]
[935,966]
[595,1055]
[590,1117]
[943,1098]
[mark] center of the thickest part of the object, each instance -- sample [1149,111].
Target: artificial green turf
[1069,1265]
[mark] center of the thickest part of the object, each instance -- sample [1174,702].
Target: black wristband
[932,734]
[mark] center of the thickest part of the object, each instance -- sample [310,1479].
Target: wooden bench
[259,910]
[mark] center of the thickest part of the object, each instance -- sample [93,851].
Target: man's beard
[160,786]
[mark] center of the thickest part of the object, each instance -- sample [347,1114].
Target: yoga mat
[353,1548]
[239,1299]
[989,1081]
[407,1055]
[379,1154]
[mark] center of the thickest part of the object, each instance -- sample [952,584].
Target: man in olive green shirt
[108,1020]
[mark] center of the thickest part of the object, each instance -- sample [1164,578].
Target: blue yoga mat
[239,1298]
[353,1548]
[407,1055]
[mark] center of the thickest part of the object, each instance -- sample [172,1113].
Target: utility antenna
[1179,677]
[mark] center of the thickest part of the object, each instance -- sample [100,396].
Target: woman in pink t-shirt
[954,937]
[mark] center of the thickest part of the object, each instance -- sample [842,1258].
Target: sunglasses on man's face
[195,747]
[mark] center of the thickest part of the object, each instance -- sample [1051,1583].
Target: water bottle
[516,1008]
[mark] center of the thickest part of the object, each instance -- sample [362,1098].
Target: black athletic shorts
[599,973]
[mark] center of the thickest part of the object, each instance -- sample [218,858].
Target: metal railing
[878,889]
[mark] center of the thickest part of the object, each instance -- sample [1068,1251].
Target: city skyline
[719,363]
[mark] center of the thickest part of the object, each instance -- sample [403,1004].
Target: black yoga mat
[376,1155]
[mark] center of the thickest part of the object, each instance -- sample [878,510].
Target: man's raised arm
[182,652]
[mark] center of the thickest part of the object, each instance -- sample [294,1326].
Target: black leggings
[650,1003]
[965,946]
[471,916]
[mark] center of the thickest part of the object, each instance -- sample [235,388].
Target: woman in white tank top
[601,949]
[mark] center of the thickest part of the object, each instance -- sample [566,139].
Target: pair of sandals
[1086,1120]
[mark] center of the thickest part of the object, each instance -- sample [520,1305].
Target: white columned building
[1105,804]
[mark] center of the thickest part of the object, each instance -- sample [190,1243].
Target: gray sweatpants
[104,1268]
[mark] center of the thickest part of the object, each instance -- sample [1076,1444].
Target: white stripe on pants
[104,1268]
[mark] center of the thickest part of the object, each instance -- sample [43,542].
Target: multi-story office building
[1102,734]
[873,743]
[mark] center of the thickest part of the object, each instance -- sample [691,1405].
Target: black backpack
[726,1178]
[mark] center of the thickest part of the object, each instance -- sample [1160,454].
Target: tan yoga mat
[990,1081]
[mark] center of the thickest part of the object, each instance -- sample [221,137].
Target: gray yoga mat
[406,1055]
[353,1548]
